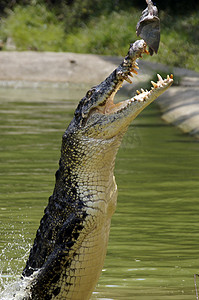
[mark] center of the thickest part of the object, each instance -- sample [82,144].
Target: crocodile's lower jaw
[144,96]
[110,119]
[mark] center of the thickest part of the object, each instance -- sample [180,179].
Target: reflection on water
[153,250]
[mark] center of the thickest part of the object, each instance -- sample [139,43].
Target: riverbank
[179,105]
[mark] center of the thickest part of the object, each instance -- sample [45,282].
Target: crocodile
[68,253]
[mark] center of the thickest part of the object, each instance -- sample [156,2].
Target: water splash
[16,290]
[13,256]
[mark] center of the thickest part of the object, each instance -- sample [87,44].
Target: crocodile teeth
[144,95]
[159,77]
[134,71]
[154,84]
[128,79]
[136,66]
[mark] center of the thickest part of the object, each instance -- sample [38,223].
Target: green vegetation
[33,28]
[44,28]
[109,35]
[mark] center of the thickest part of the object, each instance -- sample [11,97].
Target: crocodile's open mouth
[109,107]
[99,101]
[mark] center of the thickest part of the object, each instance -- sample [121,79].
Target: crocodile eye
[89,93]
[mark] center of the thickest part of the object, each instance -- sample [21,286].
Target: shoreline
[179,105]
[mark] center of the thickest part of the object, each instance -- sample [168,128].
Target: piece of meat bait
[148,27]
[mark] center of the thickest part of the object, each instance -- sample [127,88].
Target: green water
[153,250]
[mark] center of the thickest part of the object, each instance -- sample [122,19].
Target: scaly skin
[67,257]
